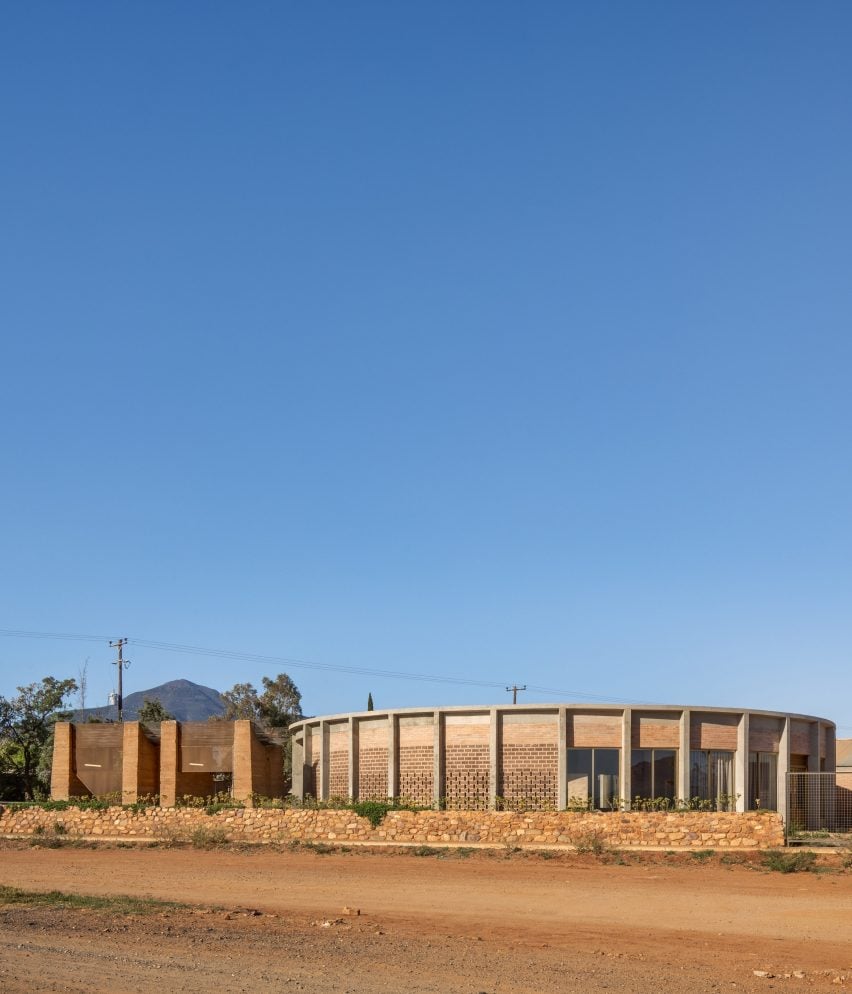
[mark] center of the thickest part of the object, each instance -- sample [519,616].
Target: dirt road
[436,923]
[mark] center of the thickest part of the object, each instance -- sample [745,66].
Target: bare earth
[492,922]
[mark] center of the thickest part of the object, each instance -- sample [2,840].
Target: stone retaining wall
[692,830]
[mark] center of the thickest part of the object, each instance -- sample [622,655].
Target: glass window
[593,778]
[762,780]
[654,773]
[711,777]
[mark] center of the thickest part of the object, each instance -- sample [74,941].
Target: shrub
[591,841]
[204,838]
[794,862]
[425,851]
[702,855]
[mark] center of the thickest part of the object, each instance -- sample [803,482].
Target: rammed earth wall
[696,830]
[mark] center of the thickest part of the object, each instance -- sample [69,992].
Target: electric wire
[287,661]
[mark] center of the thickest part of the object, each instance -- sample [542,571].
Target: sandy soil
[492,923]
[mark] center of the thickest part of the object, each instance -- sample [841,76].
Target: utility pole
[122,664]
[514,692]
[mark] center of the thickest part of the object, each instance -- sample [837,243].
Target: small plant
[373,811]
[795,862]
[591,841]
[425,851]
[702,855]
[321,848]
[59,828]
[38,830]
[205,838]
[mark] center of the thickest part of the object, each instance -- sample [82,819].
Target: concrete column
[323,762]
[493,758]
[741,785]
[783,768]
[625,784]
[438,760]
[297,764]
[393,756]
[353,759]
[683,757]
[64,782]
[169,763]
[562,760]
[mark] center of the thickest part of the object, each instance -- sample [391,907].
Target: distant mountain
[186,700]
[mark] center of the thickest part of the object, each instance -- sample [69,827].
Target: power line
[239,656]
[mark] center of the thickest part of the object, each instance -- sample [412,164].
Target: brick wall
[713,731]
[373,773]
[416,773]
[466,776]
[338,773]
[655,731]
[529,775]
[690,830]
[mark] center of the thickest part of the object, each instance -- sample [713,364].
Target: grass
[794,862]
[59,899]
[702,855]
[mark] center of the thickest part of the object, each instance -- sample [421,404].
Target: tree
[152,711]
[280,702]
[26,724]
[241,702]
[278,705]
[370,701]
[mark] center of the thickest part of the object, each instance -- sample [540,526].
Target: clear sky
[496,341]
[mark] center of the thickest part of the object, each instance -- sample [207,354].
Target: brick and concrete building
[553,757]
[173,759]
[844,763]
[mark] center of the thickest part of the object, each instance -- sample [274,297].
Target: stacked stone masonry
[690,830]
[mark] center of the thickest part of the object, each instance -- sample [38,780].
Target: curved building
[558,756]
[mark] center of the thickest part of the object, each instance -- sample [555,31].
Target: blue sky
[489,341]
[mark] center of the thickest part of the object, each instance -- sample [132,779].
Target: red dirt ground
[493,922]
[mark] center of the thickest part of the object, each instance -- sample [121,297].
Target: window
[711,777]
[654,774]
[762,780]
[593,778]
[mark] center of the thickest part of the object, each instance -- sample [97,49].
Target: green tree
[278,704]
[152,711]
[370,701]
[241,702]
[26,725]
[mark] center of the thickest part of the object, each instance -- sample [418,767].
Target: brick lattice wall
[373,774]
[466,777]
[529,775]
[416,773]
[338,773]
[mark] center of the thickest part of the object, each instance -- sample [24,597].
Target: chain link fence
[818,803]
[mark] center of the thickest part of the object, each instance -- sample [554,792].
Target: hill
[186,700]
